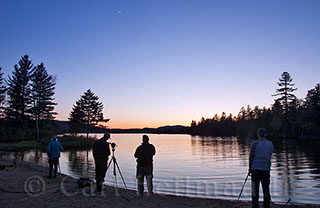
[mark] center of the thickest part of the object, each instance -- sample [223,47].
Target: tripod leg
[116,190]
[109,164]
[116,187]
[100,183]
[243,186]
[121,175]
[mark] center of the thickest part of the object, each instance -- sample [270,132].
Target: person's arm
[137,153]
[154,150]
[251,157]
[94,150]
[49,149]
[61,147]
[272,149]
[108,149]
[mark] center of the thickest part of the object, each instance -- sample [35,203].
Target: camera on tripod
[113,146]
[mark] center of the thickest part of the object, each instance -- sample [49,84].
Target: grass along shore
[67,141]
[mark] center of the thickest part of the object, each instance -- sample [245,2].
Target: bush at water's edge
[67,141]
[72,142]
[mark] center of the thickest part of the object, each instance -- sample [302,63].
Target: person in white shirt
[259,168]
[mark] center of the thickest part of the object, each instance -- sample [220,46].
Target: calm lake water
[209,167]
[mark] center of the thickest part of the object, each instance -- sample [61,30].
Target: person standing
[101,152]
[259,168]
[53,151]
[144,154]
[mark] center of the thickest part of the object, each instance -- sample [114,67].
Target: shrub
[72,142]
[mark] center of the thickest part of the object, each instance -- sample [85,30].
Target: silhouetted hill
[161,130]
[63,127]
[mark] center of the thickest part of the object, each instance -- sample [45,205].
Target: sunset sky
[165,62]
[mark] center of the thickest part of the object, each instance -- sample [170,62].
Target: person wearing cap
[53,151]
[259,168]
[144,154]
[101,152]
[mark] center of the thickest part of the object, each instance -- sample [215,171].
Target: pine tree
[277,115]
[42,92]
[312,104]
[313,97]
[2,95]
[19,90]
[285,91]
[87,111]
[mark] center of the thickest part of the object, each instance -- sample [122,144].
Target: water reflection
[205,166]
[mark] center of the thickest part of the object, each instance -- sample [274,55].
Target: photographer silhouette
[144,154]
[101,152]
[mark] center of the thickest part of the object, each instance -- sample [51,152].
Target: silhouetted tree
[312,103]
[87,111]
[249,113]
[42,92]
[312,111]
[256,112]
[2,95]
[19,89]
[285,90]
[242,114]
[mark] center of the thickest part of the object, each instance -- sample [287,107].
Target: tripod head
[113,146]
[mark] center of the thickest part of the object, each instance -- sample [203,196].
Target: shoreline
[25,184]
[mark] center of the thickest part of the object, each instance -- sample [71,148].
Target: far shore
[24,184]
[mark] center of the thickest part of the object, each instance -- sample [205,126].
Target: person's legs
[149,184]
[50,168]
[55,163]
[140,180]
[103,170]
[265,181]
[100,170]
[96,169]
[148,172]
[255,180]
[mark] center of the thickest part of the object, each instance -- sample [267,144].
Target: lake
[209,167]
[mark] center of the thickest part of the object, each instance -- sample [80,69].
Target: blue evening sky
[158,62]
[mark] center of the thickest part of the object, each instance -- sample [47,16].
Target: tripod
[115,165]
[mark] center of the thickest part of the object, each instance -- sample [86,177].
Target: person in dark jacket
[259,168]
[101,152]
[144,154]
[53,151]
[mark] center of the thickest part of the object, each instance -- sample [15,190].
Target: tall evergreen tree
[312,104]
[19,89]
[2,95]
[285,90]
[87,111]
[313,97]
[42,92]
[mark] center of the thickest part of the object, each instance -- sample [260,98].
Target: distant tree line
[288,116]
[26,102]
